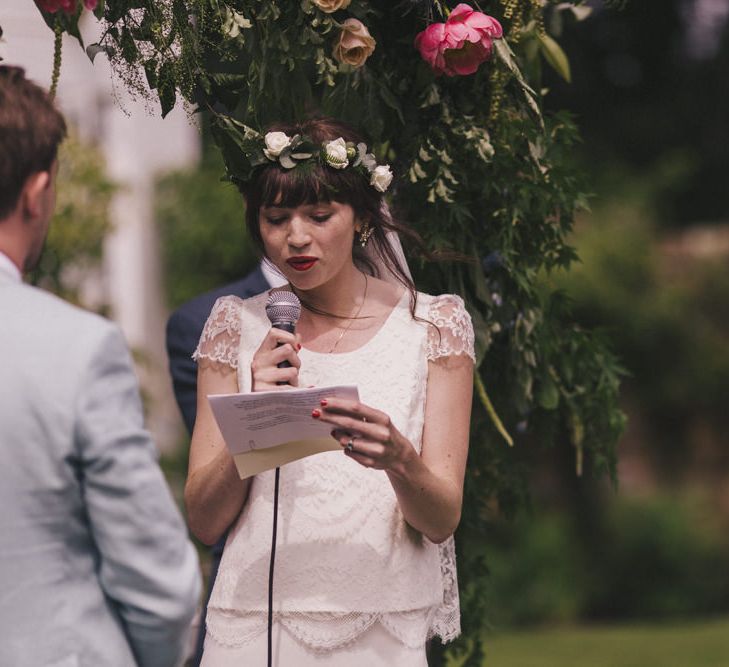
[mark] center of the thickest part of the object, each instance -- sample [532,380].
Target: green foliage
[658,558]
[666,317]
[661,559]
[534,573]
[202,231]
[80,224]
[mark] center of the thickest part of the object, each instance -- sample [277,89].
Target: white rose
[275,143]
[381,177]
[335,153]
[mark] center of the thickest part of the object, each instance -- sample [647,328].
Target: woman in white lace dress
[365,568]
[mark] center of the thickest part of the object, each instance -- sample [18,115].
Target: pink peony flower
[50,6]
[68,6]
[461,44]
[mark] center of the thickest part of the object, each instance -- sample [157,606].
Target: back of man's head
[31,128]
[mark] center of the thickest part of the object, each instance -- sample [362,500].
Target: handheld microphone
[283,309]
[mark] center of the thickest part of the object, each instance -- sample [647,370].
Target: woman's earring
[365,234]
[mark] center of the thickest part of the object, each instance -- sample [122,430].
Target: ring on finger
[350,444]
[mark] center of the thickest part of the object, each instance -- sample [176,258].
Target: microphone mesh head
[283,306]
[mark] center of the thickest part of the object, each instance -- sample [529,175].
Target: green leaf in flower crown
[286,162]
[361,153]
[302,156]
[306,146]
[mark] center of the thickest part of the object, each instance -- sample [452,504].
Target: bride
[365,564]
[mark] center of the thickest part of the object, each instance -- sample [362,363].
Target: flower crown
[251,150]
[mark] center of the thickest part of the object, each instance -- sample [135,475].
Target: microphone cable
[270,569]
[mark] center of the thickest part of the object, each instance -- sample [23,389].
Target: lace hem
[324,632]
[220,338]
[455,331]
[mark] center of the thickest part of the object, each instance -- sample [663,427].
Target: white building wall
[138,145]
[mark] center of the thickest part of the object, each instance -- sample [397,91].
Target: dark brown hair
[272,185]
[31,128]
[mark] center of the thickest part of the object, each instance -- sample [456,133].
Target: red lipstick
[301,262]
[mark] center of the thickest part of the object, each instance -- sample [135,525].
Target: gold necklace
[352,319]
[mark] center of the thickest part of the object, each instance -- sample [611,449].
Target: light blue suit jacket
[96,568]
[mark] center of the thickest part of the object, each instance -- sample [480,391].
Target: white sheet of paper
[269,428]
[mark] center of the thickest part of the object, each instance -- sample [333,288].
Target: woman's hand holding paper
[367,435]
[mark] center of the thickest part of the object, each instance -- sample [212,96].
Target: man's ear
[32,196]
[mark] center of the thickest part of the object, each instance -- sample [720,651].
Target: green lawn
[691,644]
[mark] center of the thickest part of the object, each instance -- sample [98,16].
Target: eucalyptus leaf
[286,162]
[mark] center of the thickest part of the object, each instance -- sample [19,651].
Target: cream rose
[355,44]
[381,177]
[329,6]
[335,153]
[275,143]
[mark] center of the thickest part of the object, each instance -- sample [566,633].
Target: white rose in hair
[381,177]
[275,143]
[335,153]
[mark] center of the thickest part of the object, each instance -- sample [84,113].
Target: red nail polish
[323,402]
[298,346]
[315,414]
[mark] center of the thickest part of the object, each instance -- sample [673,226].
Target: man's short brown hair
[31,128]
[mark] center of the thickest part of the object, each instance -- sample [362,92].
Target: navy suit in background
[183,333]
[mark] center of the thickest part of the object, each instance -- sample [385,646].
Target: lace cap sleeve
[455,331]
[220,339]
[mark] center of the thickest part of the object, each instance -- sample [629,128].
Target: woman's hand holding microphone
[276,364]
[278,346]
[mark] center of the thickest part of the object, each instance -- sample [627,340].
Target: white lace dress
[347,563]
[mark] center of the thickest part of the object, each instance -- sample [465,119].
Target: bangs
[296,187]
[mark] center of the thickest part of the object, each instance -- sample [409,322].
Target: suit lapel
[255,283]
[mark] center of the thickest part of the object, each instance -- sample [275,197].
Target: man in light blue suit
[96,568]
